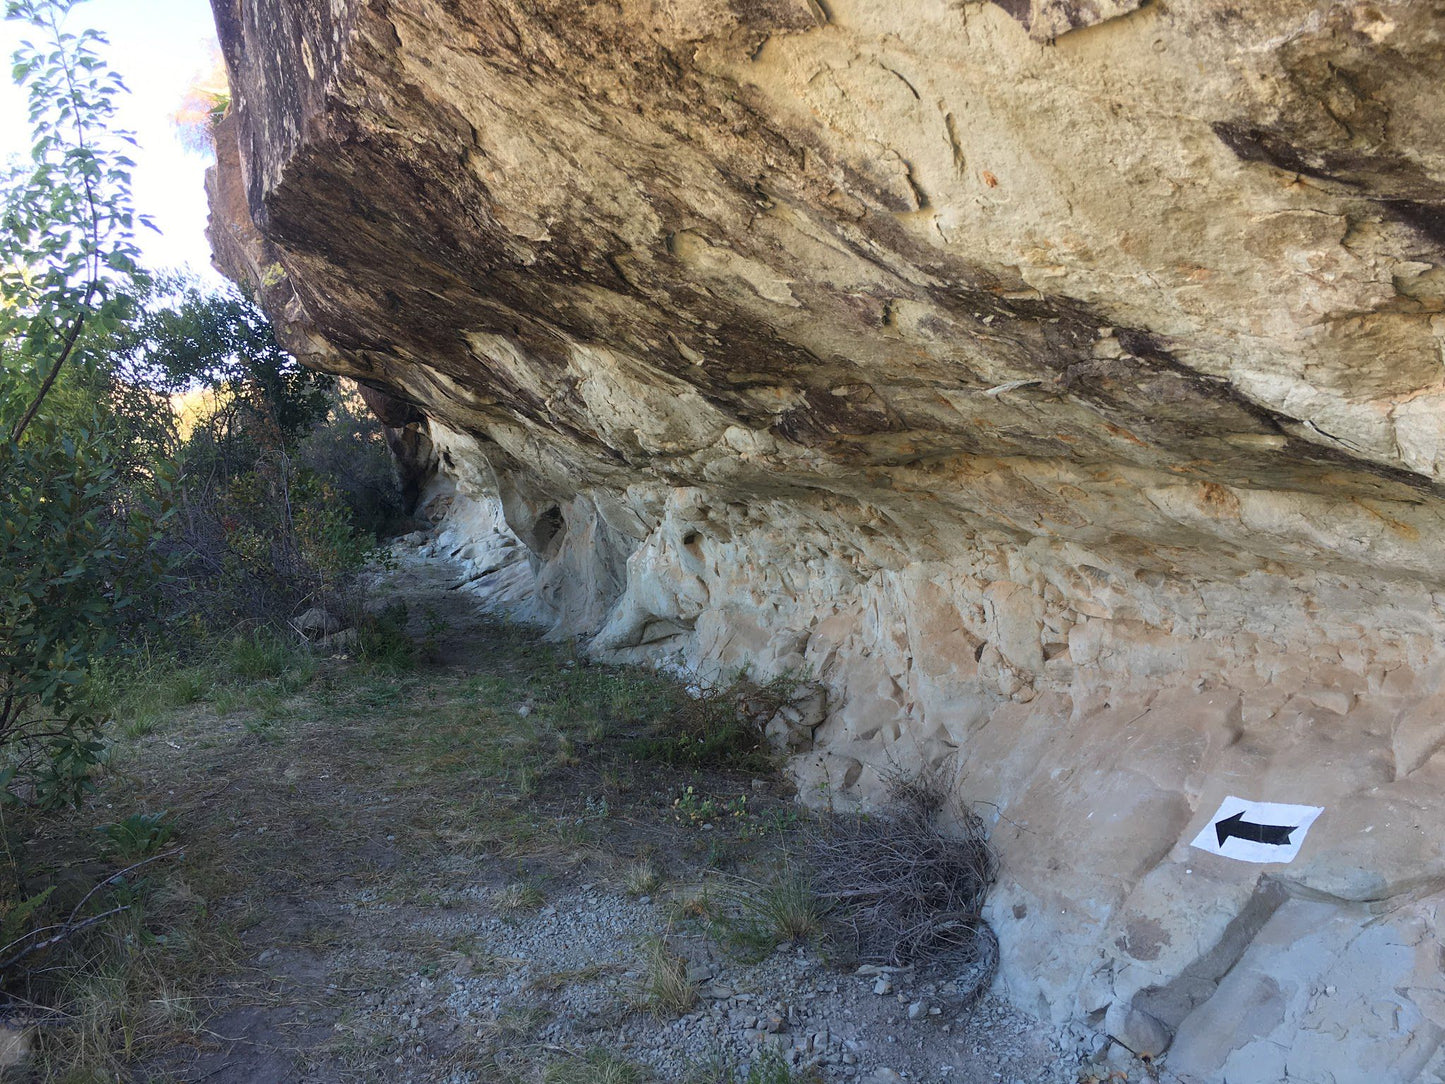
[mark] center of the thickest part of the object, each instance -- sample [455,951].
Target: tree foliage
[67,244]
[114,509]
[188,338]
[74,544]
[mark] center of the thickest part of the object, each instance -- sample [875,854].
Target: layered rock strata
[1059,383]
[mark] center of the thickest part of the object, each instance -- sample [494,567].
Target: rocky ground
[570,974]
[450,874]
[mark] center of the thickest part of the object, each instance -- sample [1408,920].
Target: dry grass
[665,989]
[641,878]
[517,897]
[553,981]
[698,901]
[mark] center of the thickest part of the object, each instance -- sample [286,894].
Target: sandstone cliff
[1060,382]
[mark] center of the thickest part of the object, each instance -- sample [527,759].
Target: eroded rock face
[1059,382]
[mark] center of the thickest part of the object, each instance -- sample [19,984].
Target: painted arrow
[1276,834]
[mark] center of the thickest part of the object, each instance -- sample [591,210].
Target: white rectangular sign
[1257,831]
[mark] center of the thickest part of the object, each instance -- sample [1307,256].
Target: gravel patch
[567,977]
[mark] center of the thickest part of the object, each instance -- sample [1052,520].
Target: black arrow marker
[1275,834]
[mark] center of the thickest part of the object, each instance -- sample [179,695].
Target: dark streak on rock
[1382,179]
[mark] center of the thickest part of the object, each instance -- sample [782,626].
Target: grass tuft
[261,654]
[593,1067]
[382,643]
[787,909]
[642,878]
[517,897]
[767,1067]
[665,988]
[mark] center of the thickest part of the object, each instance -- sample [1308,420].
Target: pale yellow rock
[1058,383]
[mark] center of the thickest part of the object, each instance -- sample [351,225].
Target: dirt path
[454,874]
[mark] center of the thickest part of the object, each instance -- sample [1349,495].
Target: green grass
[593,1067]
[376,779]
[767,1067]
[785,909]
[261,654]
[382,643]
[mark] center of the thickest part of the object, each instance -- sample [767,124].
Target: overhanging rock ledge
[1060,383]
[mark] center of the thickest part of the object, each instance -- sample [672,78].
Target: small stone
[917,1010]
[883,986]
[1142,1033]
[317,623]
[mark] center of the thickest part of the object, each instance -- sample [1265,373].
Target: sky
[157,46]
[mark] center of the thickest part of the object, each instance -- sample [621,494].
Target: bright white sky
[157,46]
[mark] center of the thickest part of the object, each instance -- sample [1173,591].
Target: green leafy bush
[75,573]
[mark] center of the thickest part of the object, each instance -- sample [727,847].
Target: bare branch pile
[909,892]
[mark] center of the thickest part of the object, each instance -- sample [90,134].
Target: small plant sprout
[139,835]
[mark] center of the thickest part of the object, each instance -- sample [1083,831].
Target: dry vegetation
[909,882]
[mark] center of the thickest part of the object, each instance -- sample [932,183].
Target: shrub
[75,543]
[283,480]
[347,447]
[76,570]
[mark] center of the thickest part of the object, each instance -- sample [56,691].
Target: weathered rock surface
[1059,381]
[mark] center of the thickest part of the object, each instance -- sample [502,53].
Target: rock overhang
[1070,407]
